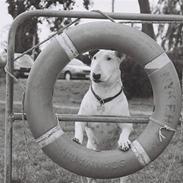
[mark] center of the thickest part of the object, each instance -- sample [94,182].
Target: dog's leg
[91,180]
[87,180]
[124,143]
[89,145]
[123,179]
[83,180]
[79,131]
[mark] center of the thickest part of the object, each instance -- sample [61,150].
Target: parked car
[75,69]
[2,62]
[22,66]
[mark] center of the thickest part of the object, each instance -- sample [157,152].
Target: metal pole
[9,114]
[11,44]
[94,118]
[96,15]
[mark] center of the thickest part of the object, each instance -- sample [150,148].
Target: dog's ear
[120,55]
[92,53]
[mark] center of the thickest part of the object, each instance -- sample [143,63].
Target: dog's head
[105,67]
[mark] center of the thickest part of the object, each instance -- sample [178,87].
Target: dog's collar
[103,101]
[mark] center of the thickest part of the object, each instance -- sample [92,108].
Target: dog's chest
[104,136]
[104,130]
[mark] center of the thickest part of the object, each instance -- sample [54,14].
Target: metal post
[94,118]
[8,115]
[11,44]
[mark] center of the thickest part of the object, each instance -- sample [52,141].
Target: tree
[145,8]
[113,3]
[27,33]
[86,4]
[135,80]
[171,34]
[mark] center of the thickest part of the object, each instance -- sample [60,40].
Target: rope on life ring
[44,124]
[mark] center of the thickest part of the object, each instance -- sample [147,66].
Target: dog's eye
[94,57]
[109,58]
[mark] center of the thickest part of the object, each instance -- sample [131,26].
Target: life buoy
[43,122]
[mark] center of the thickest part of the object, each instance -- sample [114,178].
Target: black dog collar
[103,101]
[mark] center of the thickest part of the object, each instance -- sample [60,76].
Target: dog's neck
[105,91]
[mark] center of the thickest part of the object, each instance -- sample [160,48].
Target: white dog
[105,97]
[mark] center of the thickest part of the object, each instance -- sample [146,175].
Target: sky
[126,6]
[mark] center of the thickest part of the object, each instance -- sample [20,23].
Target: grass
[30,165]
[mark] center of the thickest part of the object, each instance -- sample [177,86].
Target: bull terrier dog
[105,97]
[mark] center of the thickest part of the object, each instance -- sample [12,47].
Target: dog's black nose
[96,76]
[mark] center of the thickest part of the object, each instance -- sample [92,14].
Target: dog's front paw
[124,145]
[76,140]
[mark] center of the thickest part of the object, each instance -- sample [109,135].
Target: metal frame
[10,116]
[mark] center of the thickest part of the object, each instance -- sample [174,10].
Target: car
[75,69]
[2,63]
[22,66]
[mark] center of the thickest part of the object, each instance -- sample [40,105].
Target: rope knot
[163,127]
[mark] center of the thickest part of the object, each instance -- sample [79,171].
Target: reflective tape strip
[50,136]
[140,153]
[157,63]
[67,45]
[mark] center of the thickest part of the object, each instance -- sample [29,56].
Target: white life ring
[43,122]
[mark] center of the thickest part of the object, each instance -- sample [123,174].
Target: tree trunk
[113,2]
[145,8]
[25,32]
[24,36]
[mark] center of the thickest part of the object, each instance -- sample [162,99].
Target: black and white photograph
[91,91]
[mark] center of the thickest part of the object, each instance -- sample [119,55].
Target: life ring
[43,122]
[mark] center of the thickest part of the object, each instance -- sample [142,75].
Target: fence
[10,116]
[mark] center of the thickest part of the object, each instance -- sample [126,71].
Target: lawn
[30,165]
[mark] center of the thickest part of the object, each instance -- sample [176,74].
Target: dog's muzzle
[96,77]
